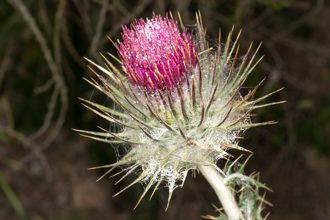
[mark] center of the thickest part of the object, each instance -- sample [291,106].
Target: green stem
[223,192]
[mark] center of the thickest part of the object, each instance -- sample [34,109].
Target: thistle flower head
[155,54]
[179,102]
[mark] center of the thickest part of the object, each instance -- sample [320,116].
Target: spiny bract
[179,101]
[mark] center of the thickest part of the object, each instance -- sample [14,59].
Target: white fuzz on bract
[172,130]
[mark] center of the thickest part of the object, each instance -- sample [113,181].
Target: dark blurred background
[43,163]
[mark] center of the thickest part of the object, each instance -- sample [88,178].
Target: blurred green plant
[12,197]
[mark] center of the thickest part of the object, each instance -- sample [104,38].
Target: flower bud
[178,103]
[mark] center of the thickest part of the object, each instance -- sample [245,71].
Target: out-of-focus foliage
[43,163]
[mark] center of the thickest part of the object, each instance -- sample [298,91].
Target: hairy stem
[223,192]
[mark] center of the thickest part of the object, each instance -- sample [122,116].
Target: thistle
[178,103]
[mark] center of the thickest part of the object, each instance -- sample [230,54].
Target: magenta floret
[155,55]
